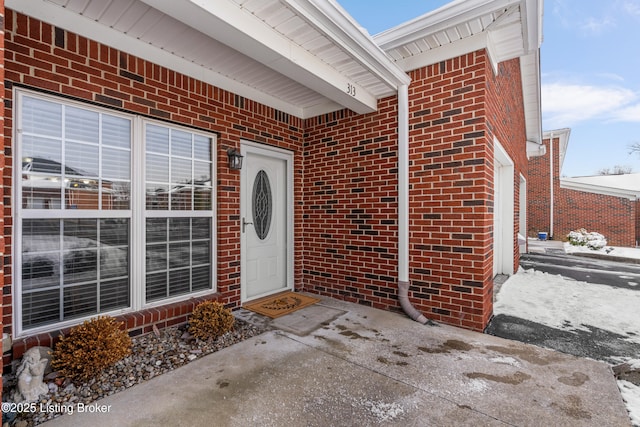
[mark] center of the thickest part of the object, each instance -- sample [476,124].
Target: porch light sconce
[235,159]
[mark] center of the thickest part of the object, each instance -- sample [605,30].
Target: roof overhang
[576,184]
[302,57]
[507,29]
[563,137]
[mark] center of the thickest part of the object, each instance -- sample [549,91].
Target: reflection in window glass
[72,259]
[76,204]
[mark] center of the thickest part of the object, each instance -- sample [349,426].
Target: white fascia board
[453,50]
[61,17]
[334,22]
[452,14]
[532,95]
[568,184]
[226,22]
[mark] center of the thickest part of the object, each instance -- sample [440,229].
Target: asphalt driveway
[589,339]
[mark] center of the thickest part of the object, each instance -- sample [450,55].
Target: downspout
[551,175]
[403,206]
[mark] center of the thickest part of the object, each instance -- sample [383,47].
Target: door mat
[280,304]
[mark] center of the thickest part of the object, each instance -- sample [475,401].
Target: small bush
[210,320]
[89,348]
[592,240]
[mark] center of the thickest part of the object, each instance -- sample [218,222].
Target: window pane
[157,197]
[201,228]
[156,230]
[180,143]
[114,262]
[114,232]
[157,168]
[82,194]
[40,254]
[81,266]
[156,286]
[201,253]
[202,198]
[202,173]
[182,198]
[116,195]
[41,155]
[181,171]
[114,294]
[116,131]
[41,117]
[157,139]
[82,159]
[82,125]
[201,278]
[179,229]
[116,164]
[40,308]
[80,233]
[179,282]
[80,301]
[186,261]
[179,255]
[201,147]
[156,258]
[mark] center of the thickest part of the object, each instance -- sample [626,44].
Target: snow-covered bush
[592,240]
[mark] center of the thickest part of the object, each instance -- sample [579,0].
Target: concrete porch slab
[371,367]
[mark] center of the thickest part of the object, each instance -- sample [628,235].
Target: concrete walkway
[341,364]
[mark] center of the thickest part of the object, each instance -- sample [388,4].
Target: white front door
[266,221]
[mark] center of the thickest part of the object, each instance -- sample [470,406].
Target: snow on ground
[611,251]
[563,303]
[567,304]
[631,396]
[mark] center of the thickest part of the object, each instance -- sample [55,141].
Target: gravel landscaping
[151,355]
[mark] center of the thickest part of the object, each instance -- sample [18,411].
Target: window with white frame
[90,236]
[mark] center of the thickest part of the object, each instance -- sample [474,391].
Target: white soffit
[282,53]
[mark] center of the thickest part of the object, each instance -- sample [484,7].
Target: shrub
[89,348]
[582,237]
[210,320]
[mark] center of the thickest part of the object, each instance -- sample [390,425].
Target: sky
[590,71]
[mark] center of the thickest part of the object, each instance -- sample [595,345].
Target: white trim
[288,157]
[522,223]
[403,184]
[504,183]
[568,184]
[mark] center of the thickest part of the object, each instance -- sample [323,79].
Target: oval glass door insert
[262,201]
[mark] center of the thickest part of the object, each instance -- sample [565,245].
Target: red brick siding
[614,217]
[42,57]
[638,223]
[539,194]
[507,123]
[350,206]
[3,193]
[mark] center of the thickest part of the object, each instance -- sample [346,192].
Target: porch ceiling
[303,57]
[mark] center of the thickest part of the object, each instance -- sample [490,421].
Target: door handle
[244,224]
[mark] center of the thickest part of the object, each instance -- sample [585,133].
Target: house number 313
[351,89]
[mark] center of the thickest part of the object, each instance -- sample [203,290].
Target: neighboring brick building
[386,171]
[557,205]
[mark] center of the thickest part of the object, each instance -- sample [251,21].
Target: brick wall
[350,203]
[614,217]
[350,206]
[45,58]
[539,194]
[3,223]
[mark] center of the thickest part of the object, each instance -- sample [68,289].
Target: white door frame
[503,211]
[287,156]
